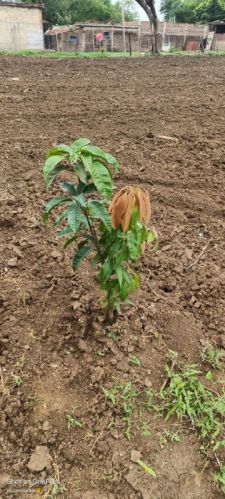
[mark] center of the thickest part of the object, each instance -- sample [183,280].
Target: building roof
[58,30]
[21,5]
[166,28]
[101,25]
[177,29]
[213,23]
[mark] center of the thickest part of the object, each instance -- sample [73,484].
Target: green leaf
[50,164]
[134,246]
[60,149]
[81,253]
[99,211]
[119,273]
[69,188]
[78,144]
[112,161]
[124,290]
[135,361]
[74,217]
[60,218]
[80,187]
[80,172]
[96,152]
[65,232]
[146,468]
[89,189]
[101,178]
[134,217]
[52,204]
[136,281]
[69,241]
[106,271]
[87,161]
[151,236]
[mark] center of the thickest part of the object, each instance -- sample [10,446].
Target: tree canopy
[71,11]
[193,11]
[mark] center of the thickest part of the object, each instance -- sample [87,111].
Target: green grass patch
[66,55]
[102,55]
[132,405]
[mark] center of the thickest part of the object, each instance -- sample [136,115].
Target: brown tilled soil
[55,352]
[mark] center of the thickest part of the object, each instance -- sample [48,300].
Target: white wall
[21,28]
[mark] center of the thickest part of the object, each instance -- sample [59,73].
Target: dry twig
[200,255]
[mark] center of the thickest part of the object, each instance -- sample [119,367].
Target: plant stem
[94,235]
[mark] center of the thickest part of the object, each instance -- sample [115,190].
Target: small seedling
[149,405]
[72,422]
[212,356]
[21,361]
[101,354]
[169,436]
[16,380]
[34,400]
[113,336]
[142,425]
[56,490]
[209,376]
[135,361]
[54,487]
[110,394]
[114,235]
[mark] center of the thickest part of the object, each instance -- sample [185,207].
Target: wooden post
[185,34]
[124,32]
[57,43]
[83,42]
[129,37]
[112,39]
[93,40]
[139,36]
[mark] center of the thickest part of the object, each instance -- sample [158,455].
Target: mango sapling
[112,230]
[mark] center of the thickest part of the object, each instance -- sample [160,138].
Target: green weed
[113,336]
[169,437]
[132,406]
[146,468]
[16,380]
[212,356]
[220,478]
[34,400]
[187,398]
[72,422]
[135,361]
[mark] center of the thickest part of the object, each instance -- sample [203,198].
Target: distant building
[218,30]
[21,26]
[83,37]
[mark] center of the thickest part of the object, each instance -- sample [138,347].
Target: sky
[141,12]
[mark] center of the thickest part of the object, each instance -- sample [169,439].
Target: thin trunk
[149,7]
[155,27]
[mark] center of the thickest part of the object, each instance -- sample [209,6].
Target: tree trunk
[155,49]
[149,7]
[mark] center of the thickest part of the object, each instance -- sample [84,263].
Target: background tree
[130,14]
[193,11]
[71,11]
[150,10]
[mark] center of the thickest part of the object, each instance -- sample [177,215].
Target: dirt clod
[40,459]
